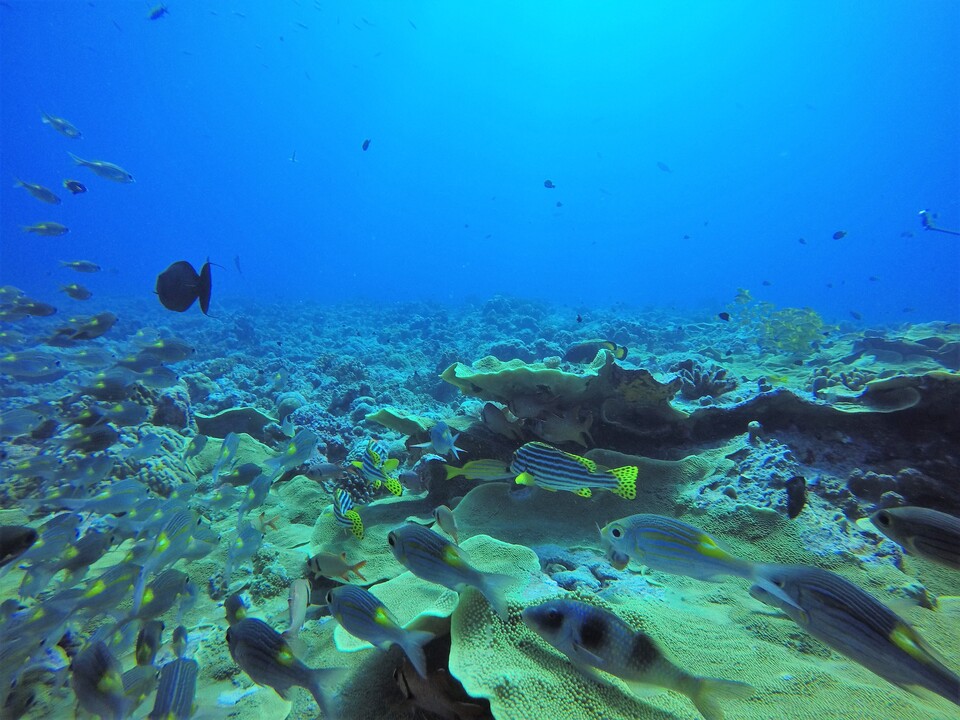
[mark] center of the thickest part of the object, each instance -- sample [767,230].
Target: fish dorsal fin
[590,465]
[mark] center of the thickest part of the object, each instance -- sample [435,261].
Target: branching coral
[700,381]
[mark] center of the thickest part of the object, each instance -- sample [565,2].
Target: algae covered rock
[631,399]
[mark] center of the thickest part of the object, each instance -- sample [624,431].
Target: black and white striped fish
[540,464]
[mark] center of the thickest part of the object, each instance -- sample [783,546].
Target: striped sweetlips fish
[377,469]
[345,514]
[537,463]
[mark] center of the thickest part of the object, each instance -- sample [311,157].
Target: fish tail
[320,680]
[78,161]
[626,481]
[494,589]
[453,472]
[707,692]
[412,644]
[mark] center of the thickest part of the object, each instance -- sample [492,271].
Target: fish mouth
[617,559]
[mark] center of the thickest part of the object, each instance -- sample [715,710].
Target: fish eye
[554,618]
[779,582]
[617,532]
[329,597]
[391,539]
[883,518]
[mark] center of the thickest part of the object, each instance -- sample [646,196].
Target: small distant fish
[267,658]
[686,237]
[366,144]
[855,624]
[293,157]
[802,241]
[61,126]
[839,234]
[496,419]
[157,12]
[195,446]
[47,229]
[664,167]
[447,521]
[411,24]
[596,638]
[76,291]
[766,283]
[106,170]
[295,453]
[93,327]
[549,184]
[433,558]
[586,350]
[579,318]
[855,315]
[442,441]
[345,514]
[873,278]
[236,264]
[331,565]
[669,545]
[486,470]
[84,266]
[39,192]
[559,204]
[179,286]
[362,615]
[725,316]
[906,234]
[796,495]
[931,534]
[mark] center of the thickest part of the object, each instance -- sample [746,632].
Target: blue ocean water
[532,270]
[776,122]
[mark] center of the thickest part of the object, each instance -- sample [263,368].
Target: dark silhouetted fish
[14,541]
[664,167]
[179,286]
[366,144]
[796,495]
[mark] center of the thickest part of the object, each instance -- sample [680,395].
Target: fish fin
[453,472]
[356,569]
[584,492]
[525,479]
[705,693]
[586,657]
[412,644]
[798,615]
[494,588]
[78,161]
[590,465]
[626,481]
[394,486]
[391,465]
[423,445]
[321,678]
[908,639]
[357,464]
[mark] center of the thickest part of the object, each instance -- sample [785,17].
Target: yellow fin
[584,492]
[590,465]
[525,479]
[391,465]
[626,481]
[452,557]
